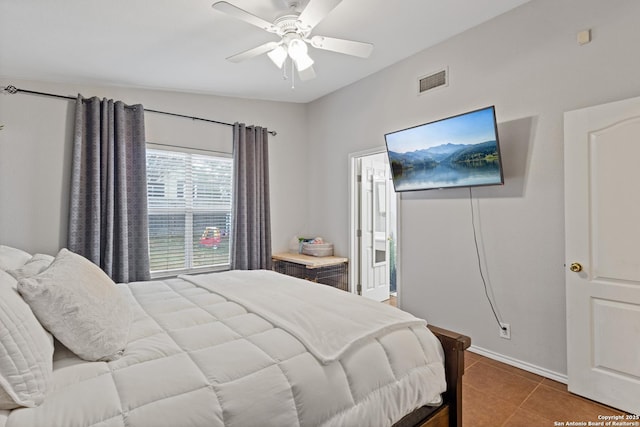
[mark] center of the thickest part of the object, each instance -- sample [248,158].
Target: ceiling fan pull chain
[293,75]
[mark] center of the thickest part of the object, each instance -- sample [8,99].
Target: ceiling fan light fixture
[303,62]
[278,56]
[297,49]
[298,52]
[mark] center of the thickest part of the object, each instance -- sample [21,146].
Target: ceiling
[182,45]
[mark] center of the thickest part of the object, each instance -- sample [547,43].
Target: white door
[374,226]
[602,214]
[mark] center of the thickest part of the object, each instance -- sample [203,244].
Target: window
[189,211]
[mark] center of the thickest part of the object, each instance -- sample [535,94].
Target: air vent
[432,81]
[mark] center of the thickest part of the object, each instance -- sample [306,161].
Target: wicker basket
[317,249]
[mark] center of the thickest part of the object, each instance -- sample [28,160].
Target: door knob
[576,267]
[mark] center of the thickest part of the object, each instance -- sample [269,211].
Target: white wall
[527,63]
[35,153]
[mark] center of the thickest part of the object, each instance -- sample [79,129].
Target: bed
[243,348]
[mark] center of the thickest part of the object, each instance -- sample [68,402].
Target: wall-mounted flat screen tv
[459,151]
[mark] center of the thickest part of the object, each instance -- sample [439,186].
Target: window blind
[189,211]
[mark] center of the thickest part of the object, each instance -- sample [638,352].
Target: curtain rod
[12,89]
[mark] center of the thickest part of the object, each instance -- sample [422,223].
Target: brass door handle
[576,267]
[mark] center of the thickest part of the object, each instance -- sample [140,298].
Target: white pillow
[26,351]
[81,306]
[37,264]
[11,258]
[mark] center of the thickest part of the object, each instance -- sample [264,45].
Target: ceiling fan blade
[307,74]
[245,16]
[316,11]
[248,54]
[348,47]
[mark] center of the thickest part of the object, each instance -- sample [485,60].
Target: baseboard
[561,378]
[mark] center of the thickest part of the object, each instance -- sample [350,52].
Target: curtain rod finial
[11,89]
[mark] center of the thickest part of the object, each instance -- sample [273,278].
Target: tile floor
[393,300]
[495,394]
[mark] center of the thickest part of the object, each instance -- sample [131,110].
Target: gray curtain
[251,241]
[108,207]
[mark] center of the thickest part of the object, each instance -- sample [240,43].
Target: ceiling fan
[294,29]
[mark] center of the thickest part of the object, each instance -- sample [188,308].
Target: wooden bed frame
[449,414]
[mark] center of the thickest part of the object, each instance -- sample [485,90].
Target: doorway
[373,227]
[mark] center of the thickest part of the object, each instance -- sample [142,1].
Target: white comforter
[198,356]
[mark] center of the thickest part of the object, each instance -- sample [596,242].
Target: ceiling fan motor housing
[288,24]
